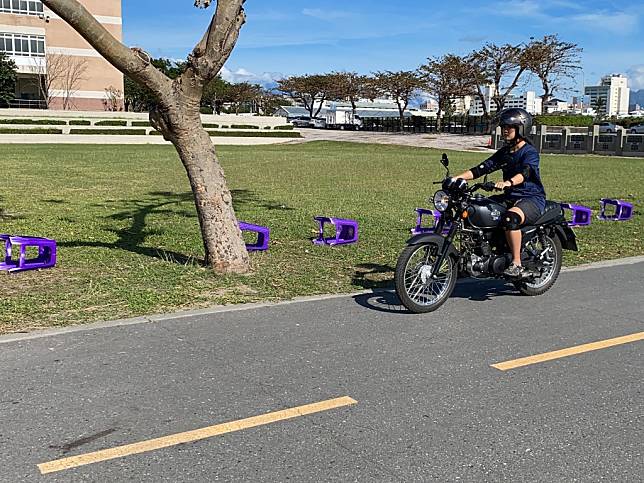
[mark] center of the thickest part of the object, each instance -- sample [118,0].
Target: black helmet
[519,118]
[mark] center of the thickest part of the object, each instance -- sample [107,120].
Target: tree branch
[117,54]
[213,50]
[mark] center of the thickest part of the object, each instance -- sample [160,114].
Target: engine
[482,260]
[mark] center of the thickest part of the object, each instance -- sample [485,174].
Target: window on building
[22,45]
[21,7]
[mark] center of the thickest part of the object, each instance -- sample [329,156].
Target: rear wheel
[418,291]
[545,254]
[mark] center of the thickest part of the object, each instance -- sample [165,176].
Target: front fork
[445,248]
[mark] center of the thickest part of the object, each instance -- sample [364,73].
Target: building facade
[57,68]
[528,101]
[612,94]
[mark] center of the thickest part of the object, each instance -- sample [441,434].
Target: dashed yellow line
[570,351]
[194,435]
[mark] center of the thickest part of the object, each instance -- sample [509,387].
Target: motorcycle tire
[531,289]
[402,291]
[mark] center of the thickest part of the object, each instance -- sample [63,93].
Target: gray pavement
[429,406]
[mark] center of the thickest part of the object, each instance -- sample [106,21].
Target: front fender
[436,239]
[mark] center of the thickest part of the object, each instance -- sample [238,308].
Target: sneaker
[514,271]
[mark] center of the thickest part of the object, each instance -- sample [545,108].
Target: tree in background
[310,90]
[214,94]
[400,86]
[495,64]
[553,61]
[8,75]
[113,100]
[268,102]
[599,104]
[241,93]
[72,75]
[176,116]
[138,97]
[447,78]
[351,86]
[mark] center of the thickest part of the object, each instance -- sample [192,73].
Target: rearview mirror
[445,160]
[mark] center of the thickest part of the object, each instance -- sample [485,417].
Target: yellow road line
[194,435]
[548,356]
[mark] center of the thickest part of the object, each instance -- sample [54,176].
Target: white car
[639,129]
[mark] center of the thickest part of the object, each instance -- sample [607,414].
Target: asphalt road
[429,406]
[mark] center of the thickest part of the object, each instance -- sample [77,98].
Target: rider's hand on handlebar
[501,185]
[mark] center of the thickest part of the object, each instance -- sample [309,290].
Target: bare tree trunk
[223,247]
[177,117]
[545,98]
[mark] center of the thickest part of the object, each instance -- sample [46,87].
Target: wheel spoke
[419,266]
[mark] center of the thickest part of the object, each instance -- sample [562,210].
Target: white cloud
[606,21]
[616,23]
[327,15]
[636,77]
[267,79]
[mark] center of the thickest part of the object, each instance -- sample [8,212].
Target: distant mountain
[637,97]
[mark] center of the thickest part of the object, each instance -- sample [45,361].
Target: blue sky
[286,37]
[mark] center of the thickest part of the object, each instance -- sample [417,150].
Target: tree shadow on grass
[133,237]
[372,276]
[5,214]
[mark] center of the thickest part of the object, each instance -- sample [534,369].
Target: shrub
[267,128]
[214,126]
[556,120]
[286,127]
[205,110]
[627,122]
[115,132]
[46,122]
[141,124]
[111,123]
[247,134]
[79,122]
[43,130]
[243,126]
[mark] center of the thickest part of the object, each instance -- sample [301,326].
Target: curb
[17,337]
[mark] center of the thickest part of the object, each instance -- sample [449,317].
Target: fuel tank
[484,213]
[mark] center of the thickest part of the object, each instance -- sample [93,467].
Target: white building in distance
[615,93]
[528,101]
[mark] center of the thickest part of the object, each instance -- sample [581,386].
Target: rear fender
[567,237]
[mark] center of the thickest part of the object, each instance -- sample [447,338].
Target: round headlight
[441,200]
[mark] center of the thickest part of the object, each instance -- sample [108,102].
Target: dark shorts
[530,208]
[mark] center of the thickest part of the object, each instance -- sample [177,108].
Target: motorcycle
[468,241]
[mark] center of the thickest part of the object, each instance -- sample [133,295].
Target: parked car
[607,127]
[302,121]
[639,129]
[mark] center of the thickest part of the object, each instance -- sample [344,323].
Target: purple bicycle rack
[420,229]
[346,231]
[581,215]
[623,210]
[46,253]
[263,235]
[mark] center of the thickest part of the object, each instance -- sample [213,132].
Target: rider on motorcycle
[524,195]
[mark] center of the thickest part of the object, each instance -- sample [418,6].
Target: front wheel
[545,253]
[418,291]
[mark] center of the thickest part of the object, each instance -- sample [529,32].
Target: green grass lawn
[129,242]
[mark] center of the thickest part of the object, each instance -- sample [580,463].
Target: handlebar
[489,186]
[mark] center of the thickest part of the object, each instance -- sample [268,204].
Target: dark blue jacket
[524,161]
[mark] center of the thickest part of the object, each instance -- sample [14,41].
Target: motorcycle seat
[551,213]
